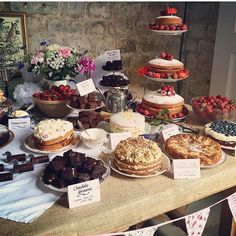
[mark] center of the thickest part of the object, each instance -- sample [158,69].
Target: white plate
[165,80]
[165,167]
[106,126]
[64,190]
[29,144]
[221,161]
[169,32]
[227,147]
[80,110]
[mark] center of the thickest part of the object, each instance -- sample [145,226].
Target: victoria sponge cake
[138,156]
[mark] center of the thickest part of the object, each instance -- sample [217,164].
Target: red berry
[157,75]
[163,75]
[166,27]
[161,27]
[163,55]
[170,56]
[175,76]
[146,112]
[183,27]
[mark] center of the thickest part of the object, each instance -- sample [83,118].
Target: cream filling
[219,136]
[52,129]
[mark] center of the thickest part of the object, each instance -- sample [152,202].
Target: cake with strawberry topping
[155,102]
[168,21]
[165,67]
[53,134]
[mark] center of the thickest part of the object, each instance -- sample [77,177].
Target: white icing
[157,98]
[166,63]
[52,129]
[127,122]
[168,17]
[128,119]
[217,135]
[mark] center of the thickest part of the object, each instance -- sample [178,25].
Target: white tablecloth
[25,197]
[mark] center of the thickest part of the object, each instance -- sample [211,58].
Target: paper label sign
[84,193]
[186,169]
[86,87]
[112,55]
[19,124]
[115,138]
[170,131]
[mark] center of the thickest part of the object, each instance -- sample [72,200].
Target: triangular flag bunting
[195,223]
[232,204]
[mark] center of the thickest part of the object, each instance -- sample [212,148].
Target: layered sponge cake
[154,102]
[127,122]
[168,21]
[138,156]
[53,134]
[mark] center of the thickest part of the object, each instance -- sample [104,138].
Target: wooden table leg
[226,215]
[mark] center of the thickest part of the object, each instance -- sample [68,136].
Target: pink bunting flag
[195,223]
[232,204]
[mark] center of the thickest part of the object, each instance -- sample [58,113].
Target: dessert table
[127,201]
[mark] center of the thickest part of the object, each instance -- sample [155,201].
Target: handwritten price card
[84,193]
[169,131]
[186,169]
[19,125]
[112,55]
[86,87]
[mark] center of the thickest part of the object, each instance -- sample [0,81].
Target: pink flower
[64,52]
[39,57]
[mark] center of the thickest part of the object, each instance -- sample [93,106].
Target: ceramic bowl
[53,109]
[94,137]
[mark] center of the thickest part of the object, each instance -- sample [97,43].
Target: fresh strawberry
[170,56]
[163,55]
[184,27]
[161,27]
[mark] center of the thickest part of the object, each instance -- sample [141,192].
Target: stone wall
[100,26]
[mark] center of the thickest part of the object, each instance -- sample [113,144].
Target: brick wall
[100,26]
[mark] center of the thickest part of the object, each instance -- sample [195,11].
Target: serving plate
[30,145]
[165,167]
[169,32]
[64,190]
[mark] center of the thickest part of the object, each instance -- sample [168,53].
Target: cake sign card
[86,87]
[115,138]
[84,193]
[19,124]
[169,131]
[112,55]
[186,169]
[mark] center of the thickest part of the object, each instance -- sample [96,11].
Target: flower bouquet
[56,62]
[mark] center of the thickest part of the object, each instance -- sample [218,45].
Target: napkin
[26,197]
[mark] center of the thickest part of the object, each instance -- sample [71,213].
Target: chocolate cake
[114,80]
[72,167]
[4,134]
[113,65]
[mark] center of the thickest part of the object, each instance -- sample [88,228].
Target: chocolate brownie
[72,167]
[113,65]
[114,81]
